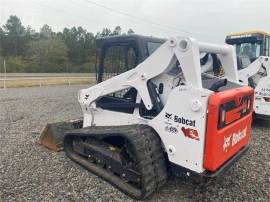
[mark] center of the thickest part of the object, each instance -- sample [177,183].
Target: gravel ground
[31,172]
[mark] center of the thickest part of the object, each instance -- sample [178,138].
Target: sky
[206,20]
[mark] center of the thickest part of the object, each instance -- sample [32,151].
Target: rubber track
[148,149]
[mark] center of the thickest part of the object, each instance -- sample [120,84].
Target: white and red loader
[167,115]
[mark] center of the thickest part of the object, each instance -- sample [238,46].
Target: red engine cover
[223,143]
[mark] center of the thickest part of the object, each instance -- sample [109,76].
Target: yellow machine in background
[249,45]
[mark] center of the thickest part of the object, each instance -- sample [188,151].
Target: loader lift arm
[185,50]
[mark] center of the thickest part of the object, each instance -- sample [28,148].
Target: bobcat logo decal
[227,143]
[168,116]
[190,133]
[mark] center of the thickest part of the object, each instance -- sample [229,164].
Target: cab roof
[250,32]
[126,38]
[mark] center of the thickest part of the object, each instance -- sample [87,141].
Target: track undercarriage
[129,157]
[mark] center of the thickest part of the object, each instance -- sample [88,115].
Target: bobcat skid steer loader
[161,115]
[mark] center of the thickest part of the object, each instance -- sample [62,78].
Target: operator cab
[118,54]
[249,46]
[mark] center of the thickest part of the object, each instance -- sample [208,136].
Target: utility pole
[5,74]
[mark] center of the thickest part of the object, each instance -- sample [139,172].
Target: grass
[46,82]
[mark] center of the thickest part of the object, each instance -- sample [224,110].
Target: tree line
[27,50]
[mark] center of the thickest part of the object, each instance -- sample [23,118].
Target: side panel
[181,126]
[262,97]
[102,117]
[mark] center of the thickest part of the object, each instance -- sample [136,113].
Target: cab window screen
[114,61]
[118,59]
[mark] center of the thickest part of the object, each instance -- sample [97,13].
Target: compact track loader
[157,113]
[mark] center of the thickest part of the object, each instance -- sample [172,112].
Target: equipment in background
[257,76]
[249,46]
[253,54]
[153,112]
[253,61]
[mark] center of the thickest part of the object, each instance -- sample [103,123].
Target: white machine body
[185,106]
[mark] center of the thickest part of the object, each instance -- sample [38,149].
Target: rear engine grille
[233,110]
